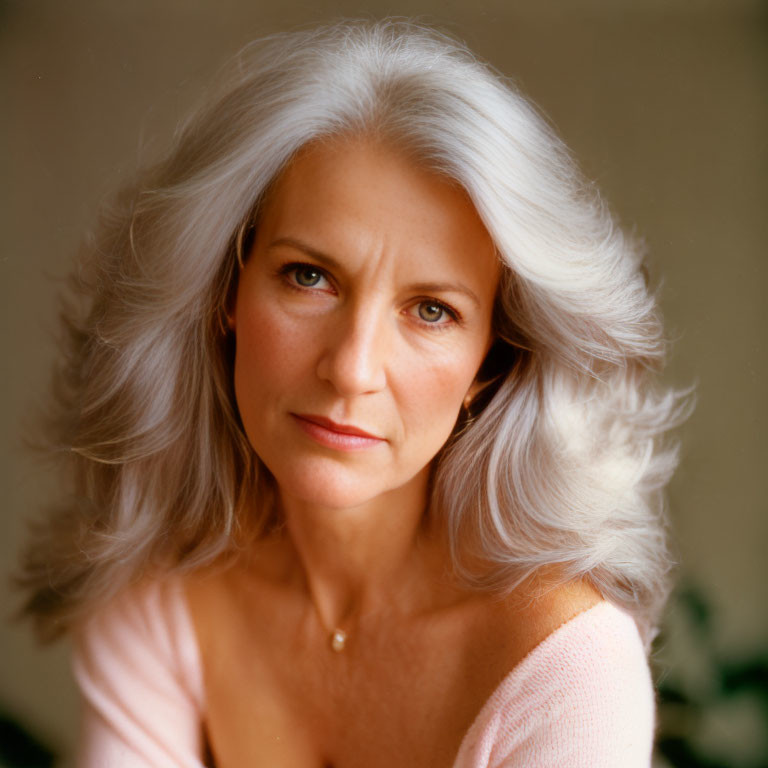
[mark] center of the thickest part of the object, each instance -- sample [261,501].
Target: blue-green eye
[300,276]
[430,312]
[307,277]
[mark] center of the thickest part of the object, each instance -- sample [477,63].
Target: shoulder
[143,624]
[134,660]
[532,613]
[593,658]
[583,696]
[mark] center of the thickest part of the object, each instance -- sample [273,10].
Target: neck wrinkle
[358,562]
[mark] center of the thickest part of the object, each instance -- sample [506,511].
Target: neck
[361,560]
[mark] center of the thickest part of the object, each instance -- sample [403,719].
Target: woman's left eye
[435,313]
[307,276]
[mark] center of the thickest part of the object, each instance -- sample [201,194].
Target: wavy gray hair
[559,462]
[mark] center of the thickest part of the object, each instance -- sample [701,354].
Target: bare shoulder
[535,610]
[548,608]
[229,598]
[211,596]
[578,689]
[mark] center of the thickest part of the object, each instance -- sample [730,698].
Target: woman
[366,440]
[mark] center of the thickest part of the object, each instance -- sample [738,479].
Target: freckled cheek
[431,396]
[274,355]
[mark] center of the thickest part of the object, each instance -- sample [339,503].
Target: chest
[405,695]
[291,713]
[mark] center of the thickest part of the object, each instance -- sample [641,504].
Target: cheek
[433,394]
[272,355]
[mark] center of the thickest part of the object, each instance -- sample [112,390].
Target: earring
[466,418]
[226,321]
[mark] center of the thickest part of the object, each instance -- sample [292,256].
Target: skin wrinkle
[518,479]
[333,263]
[363,356]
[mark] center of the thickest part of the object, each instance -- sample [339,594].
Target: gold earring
[226,321]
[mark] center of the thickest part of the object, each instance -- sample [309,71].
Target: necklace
[338,640]
[337,637]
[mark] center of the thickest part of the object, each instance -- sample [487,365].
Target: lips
[342,429]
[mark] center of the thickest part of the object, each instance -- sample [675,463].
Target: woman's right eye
[303,275]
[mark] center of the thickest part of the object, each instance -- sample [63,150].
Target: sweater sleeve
[592,705]
[135,664]
[582,699]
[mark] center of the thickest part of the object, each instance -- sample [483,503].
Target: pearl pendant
[338,640]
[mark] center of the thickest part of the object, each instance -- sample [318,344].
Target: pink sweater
[582,697]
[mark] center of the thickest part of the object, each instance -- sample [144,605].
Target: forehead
[357,198]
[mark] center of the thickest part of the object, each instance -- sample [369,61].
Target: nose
[355,354]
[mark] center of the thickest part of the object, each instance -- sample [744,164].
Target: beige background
[664,102]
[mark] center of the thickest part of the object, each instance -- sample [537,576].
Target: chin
[330,497]
[332,488]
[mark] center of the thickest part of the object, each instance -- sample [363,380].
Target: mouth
[334,435]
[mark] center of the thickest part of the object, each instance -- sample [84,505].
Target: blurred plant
[713,707]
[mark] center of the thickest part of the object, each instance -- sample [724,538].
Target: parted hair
[560,461]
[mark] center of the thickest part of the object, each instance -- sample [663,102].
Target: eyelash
[295,266]
[286,270]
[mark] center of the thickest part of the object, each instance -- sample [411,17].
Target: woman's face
[362,315]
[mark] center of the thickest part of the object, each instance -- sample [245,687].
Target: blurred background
[664,103]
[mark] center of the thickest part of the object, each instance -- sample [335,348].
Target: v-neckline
[194,668]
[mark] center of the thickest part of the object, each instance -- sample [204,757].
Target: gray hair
[559,461]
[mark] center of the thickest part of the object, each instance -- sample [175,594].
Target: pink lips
[342,437]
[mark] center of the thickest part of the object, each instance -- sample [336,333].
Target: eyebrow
[328,261]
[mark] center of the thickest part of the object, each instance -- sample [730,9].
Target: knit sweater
[581,698]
